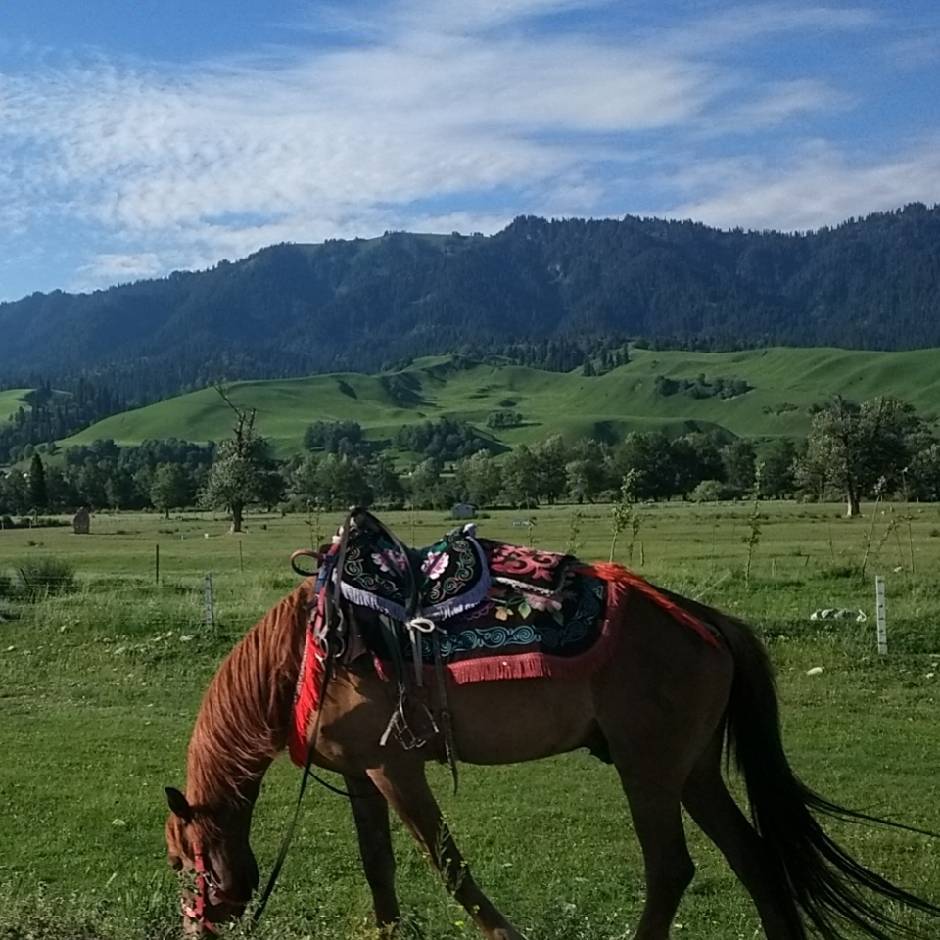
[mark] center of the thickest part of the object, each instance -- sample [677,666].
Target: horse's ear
[178,804]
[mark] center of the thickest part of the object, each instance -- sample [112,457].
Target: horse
[665,706]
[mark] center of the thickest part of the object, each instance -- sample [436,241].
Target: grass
[98,690]
[785,383]
[11,400]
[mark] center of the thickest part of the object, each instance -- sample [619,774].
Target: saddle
[464,607]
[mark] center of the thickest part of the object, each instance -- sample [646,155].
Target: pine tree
[38,497]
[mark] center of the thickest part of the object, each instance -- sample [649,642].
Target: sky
[138,138]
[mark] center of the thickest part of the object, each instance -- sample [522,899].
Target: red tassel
[307,700]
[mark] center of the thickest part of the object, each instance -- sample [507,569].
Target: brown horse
[663,708]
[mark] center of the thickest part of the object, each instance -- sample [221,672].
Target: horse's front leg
[406,789]
[370,814]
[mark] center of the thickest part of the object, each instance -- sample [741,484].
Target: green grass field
[785,382]
[11,401]
[99,688]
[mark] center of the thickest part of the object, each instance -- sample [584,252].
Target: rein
[333,608]
[292,826]
[334,639]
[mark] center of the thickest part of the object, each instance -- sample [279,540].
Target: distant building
[81,522]
[463,511]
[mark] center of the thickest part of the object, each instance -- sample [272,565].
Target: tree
[777,477]
[383,480]
[739,459]
[170,488]
[853,445]
[38,496]
[341,482]
[428,487]
[923,474]
[479,478]
[119,489]
[14,493]
[237,473]
[695,457]
[551,456]
[521,477]
[650,457]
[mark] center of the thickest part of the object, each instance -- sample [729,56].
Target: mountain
[293,309]
[780,388]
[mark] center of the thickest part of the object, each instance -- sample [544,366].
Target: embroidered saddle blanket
[498,611]
[485,599]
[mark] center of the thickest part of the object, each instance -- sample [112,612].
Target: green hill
[11,401]
[783,384]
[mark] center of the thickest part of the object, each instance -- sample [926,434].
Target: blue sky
[141,137]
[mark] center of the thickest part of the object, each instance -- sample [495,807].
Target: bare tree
[238,471]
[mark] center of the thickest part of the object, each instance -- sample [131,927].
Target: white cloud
[749,22]
[423,107]
[782,101]
[220,158]
[819,187]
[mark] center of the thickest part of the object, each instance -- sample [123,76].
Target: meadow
[99,688]
[11,400]
[783,382]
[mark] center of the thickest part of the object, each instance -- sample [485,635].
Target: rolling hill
[363,304]
[11,401]
[783,384]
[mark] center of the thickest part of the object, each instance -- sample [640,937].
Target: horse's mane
[243,720]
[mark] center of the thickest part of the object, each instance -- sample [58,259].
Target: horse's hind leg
[406,789]
[658,703]
[657,818]
[647,750]
[709,803]
[370,814]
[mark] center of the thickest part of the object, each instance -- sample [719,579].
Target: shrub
[38,577]
[710,491]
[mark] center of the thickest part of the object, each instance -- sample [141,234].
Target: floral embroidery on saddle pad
[451,576]
[527,569]
[513,622]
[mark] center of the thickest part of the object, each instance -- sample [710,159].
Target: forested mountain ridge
[293,309]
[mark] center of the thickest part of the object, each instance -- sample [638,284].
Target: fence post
[208,607]
[156,563]
[881,624]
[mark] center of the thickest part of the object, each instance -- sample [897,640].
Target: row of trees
[50,415]
[157,474]
[852,449]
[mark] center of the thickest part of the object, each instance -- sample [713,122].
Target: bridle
[205,880]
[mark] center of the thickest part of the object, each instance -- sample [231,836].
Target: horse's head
[211,848]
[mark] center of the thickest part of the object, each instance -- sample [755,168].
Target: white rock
[815,671]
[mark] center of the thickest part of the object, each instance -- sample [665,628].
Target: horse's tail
[824,880]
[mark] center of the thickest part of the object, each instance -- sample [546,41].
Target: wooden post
[156,563]
[881,623]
